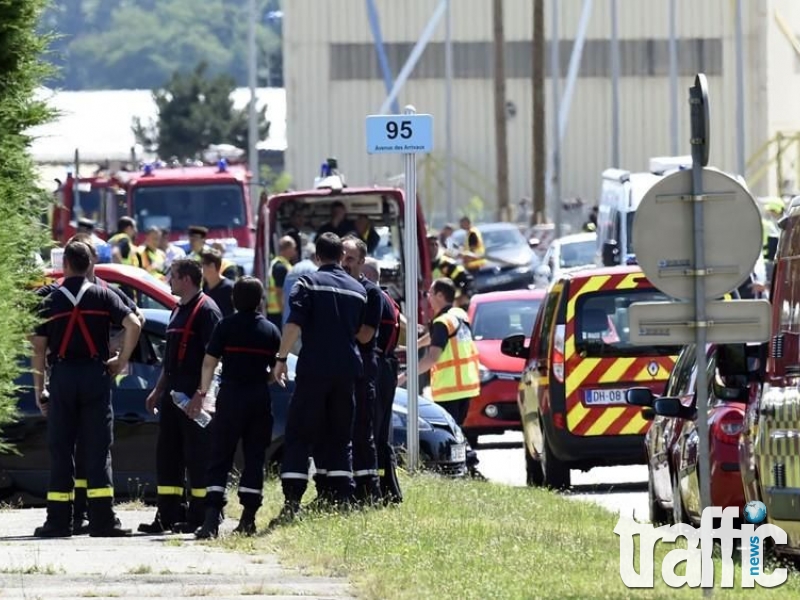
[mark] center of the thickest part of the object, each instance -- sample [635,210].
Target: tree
[195,111]
[22,233]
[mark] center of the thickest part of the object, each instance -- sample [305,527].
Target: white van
[620,195]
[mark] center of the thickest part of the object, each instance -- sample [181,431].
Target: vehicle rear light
[727,429]
[558,353]
[558,420]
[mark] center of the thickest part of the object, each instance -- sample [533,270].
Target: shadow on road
[608,488]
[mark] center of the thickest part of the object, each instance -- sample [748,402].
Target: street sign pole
[412,349]
[698,100]
[408,134]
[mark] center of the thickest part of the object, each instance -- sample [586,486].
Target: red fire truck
[171,197]
[383,206]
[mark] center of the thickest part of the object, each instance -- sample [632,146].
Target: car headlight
[484,373]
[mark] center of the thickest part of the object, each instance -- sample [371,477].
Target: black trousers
[276,319]
[319,420]
[80,408]
[387,461]
[182,446]
[244,412]
[365,457]
[458,409]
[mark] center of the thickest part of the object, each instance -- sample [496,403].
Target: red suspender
[186,330]
[243,350]
[395,323]
[76,317]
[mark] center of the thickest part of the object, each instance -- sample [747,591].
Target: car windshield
[497,320]
[603,329]
[176,207]
[577,254]
[494,239]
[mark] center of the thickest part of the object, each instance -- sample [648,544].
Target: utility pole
[615,159]
[448,70]
[538,150]
[252,115]
[501,138]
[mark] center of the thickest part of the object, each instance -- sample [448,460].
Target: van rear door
[601,361]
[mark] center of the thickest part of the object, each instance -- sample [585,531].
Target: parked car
[578,365]
[242,257]
[25,474]
[672,442]
[510,260]
[147,291]
[569,252]
[495,316]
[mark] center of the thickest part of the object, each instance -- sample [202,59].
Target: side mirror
[672,407]
[514,346]
[533,243]
[732,359]
[542,272]
[648,414]
[611,254]
[639,396]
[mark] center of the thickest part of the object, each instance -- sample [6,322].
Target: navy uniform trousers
[80,407]
[243,412]
[387,460]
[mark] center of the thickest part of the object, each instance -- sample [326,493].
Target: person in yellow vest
[197,241]
[474,255]
[278,270]
[773,212]
[444,266]
[228,268]
[452,357]
[123,249]
[150,256]
[367,234]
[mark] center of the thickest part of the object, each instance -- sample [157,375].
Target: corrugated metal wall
[333,81]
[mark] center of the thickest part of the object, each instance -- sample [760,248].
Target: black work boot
[157,527]
[58,522]
[80,514]
[289,513]
[102,520]
[247,522]
[210,527]
[112,530]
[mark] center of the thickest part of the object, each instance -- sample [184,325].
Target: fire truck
[171,196]
[383,206]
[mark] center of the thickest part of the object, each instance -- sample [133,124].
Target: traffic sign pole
[412,349]
[698,100]
[408,134]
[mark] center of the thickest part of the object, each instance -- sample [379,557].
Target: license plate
[604,397]
[458,453]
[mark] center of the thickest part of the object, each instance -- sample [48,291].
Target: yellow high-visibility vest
[480,250]
[456,376]
[274,305]
[116,239]
[153,261]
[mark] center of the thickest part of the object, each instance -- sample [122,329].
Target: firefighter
[366,233]
[123,249]
[182,444]
[388,335]
[73,339]
[278,269]
[365,458]
[247,343]
[150,256]
[452,356]
[591,224]
[197,241]
[474,257]
[444,266]
[217,287]
[327,310]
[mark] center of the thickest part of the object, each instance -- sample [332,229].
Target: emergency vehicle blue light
[222,165]
[148,169]
[325,170]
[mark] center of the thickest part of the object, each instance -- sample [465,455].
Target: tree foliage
[22,233]
[138,44]
[195,111]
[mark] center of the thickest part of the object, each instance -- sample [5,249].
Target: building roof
[98,123]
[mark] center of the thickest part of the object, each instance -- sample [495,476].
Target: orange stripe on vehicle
[636,425]
[586,422]
[630,281]
[608,416]
[621,422]
[577,374]
[576,415]
[616,371]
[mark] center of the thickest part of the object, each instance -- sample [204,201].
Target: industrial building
[334,79]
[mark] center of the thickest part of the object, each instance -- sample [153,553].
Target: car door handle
[131,418]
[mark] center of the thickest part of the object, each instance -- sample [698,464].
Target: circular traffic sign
[663,234]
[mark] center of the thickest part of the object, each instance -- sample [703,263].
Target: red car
[494,316]
[146,290]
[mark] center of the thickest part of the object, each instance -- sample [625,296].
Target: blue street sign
[399,134]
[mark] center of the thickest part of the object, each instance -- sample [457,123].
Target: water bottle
[210,402]
[181,400]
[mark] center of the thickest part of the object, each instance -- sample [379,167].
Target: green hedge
[21,204]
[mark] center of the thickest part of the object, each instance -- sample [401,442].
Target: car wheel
[533,469]
[678,514]
[556,472]
[658,514]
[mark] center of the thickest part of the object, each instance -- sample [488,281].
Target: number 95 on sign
[399,134]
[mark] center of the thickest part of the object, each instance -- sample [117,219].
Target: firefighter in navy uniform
[365,458]
[182,444]
[73,339]
[327,309]
[388,336]
[247,344]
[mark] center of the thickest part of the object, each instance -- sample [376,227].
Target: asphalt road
[619,489]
